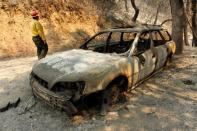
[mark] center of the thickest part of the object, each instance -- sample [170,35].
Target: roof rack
[137,28]
[133,26]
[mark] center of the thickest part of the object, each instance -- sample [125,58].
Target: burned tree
[137,11]
[178,18]
[194,23]
[186,11]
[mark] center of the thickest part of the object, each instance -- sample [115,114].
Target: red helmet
[34,13]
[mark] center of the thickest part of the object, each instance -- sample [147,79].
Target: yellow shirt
[37,29]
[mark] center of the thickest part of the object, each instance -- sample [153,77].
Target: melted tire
[109,97]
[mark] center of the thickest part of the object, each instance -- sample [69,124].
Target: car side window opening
[144,43]
[114,42]
[115,38]
[121,41]
[165,35]
[99,40]
[128,38]
[159,38]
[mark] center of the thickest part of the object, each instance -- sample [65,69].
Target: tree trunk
[177,9]
[186,10]
[136,11]
[194,23]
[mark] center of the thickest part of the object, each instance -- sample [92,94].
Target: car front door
[145,55]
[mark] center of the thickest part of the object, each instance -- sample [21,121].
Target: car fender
[124,69]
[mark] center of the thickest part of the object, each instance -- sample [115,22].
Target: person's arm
[41,31]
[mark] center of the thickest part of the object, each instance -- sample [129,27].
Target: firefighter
[38,35]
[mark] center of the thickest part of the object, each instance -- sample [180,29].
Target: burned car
[111,61]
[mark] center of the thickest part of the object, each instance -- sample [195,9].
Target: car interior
[160,37]
[112,42]
[121,42]
[143,43]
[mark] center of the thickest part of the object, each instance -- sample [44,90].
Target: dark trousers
[42,48]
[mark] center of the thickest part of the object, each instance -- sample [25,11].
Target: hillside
[64,26]
[67,23]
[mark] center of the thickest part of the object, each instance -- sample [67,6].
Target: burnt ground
[167,101]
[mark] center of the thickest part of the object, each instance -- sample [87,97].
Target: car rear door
[145,55]
[160,50]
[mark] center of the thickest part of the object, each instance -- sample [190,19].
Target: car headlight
[69,89]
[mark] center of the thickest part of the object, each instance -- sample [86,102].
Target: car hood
[75,65]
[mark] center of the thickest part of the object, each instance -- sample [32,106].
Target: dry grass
[14,37]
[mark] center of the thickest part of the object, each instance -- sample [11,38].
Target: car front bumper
[52,99]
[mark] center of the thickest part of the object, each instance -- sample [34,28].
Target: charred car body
[123,57]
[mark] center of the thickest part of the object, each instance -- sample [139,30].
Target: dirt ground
[167,101]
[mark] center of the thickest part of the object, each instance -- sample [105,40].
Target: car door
[131,38]
[145,55]
[161,53]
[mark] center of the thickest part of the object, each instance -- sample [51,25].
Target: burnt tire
[113,94]
[70,109]
[109,97]
[168,60]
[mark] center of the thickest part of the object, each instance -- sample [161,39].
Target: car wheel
[168,60]
[114,92]
[109,97]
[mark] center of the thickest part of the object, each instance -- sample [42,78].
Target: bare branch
[136,11]
[165,21]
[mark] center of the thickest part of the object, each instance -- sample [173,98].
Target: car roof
[137,29]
